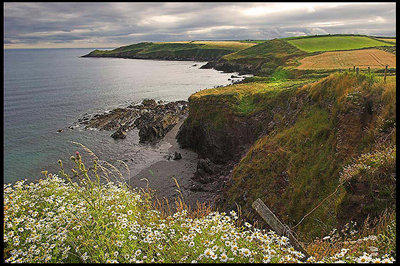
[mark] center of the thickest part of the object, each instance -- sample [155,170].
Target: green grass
[265,57]
[304,152]
[249,98]
[334,43]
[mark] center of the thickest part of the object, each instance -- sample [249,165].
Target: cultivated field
[393,40]
[334,43]
[373,58]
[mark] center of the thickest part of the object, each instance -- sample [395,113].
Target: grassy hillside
[265,57]
[200,50]
[295,167]
[270,58]
[334,43]
[304,137]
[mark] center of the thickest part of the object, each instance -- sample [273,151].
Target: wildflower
[246,252]
[364,259]
[224,257]
[208,253]
[376,260]
[247,224]
[84,256]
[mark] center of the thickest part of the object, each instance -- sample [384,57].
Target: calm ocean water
[49,89]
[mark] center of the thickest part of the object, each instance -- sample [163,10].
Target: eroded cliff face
[222,128]
[289,145]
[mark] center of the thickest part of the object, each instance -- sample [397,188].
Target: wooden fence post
[384,78]
[354,68]
[277,225]
[357,70]
[369,70]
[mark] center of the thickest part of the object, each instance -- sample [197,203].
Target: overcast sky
[101,25]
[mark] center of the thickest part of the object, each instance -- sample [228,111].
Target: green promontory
[195,51]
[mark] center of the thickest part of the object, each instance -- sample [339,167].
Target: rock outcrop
[230,67]
[152,119]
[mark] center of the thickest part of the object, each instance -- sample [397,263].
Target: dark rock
[59,130]
[152,128]
[197,188]
[152,119]
[209,65]
[206,165]
[177,156]
[234,77]
[205,171]
[119,134]
[149,103]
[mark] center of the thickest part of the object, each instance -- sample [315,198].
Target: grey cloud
[125,23]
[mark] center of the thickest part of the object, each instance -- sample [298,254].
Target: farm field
[334,43]
[393,40]
[365,58]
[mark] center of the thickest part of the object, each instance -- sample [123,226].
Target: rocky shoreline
[153,119]
[200,180]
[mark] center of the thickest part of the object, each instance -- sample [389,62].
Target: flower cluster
[56,221]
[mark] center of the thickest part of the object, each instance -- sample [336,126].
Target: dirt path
[159,174]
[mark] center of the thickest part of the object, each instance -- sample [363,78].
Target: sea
[50,89]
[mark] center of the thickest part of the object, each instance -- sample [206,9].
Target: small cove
[49,89]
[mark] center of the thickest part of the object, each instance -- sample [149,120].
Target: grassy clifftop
[199,50]
[301,139]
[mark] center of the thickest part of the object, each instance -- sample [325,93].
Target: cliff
[291,143]
[191,51]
